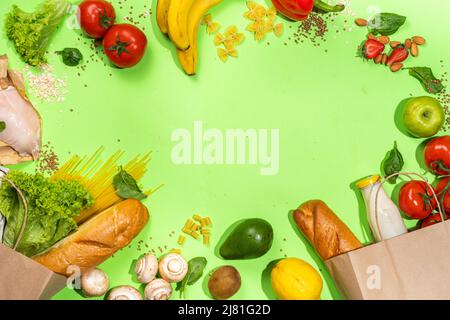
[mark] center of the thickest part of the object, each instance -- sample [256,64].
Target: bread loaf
[326,232]
[97,239]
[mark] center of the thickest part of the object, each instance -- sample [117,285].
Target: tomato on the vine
[432,219]
[416,199]
[437,155]
[124,44]
[96,17]
[443,191]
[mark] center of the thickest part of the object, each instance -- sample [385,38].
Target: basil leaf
[70,56]
[196,267]
[126,187]
[393,163]
[2,126]
[385,24]
[426,77]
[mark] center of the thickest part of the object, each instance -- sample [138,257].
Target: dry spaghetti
[97,177]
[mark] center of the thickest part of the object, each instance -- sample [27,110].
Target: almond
[371,36]
[394,44]
[396,66]
[414,49]
[378,59]
[361,22]
[408,43]
[384,58]
[384,39]
[419,40]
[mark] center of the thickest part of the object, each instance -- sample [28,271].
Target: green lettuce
[31,32]
[52,206]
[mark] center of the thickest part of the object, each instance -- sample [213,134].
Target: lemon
[295,279]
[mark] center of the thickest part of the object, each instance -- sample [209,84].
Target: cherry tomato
[124,44]
[437,155]
[443,190]
[432,219]
[303,7]
[288,14]
[416,199]
[96,17]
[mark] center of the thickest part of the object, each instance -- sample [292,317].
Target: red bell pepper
[287,13]
[303,7]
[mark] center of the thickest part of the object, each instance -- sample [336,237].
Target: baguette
[96,239]
[324,230]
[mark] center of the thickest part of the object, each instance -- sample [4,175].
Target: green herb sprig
[393,163]
[70,56]
[196,267]
[426,77]
[385,23]
[126,187]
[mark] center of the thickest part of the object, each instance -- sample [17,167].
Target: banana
[162,10]
[177,20]
[188,58]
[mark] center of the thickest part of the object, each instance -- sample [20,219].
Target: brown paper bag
[21,278]
[412,266]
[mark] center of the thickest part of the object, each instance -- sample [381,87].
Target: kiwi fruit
[224,282]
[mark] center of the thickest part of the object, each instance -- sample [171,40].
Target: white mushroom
[158,289]
[173,267]
[94,283]
[146,268]
[124,293]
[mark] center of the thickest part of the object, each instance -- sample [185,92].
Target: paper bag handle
[25,210]
[410,176]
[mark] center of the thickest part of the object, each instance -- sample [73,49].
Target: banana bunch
[180,20]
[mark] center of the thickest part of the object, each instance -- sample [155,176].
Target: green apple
[423,116]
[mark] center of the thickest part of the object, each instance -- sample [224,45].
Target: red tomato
[303,7]
[416,199]
[443,190]
[437,155]
[288,14]
[124,44]
[432,219]
[96,17]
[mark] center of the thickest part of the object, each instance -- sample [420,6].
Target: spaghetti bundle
[97,177]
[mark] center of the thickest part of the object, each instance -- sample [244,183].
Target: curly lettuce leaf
[52,206]
[31,32]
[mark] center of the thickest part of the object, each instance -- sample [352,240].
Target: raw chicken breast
[23,125]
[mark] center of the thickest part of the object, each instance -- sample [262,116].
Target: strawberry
[371,48]
[399,54]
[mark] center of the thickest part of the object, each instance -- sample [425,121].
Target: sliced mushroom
[158,289]
[124,293]
[94,283]
[146,268]
[173,267]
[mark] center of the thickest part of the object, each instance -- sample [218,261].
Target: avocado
[250,239]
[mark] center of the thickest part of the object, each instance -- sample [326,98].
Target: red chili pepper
[303,7]
[372,48]
[399,54]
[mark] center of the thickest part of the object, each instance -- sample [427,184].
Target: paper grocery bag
[412,266]
[21,278]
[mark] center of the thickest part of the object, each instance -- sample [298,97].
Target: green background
[335,113]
